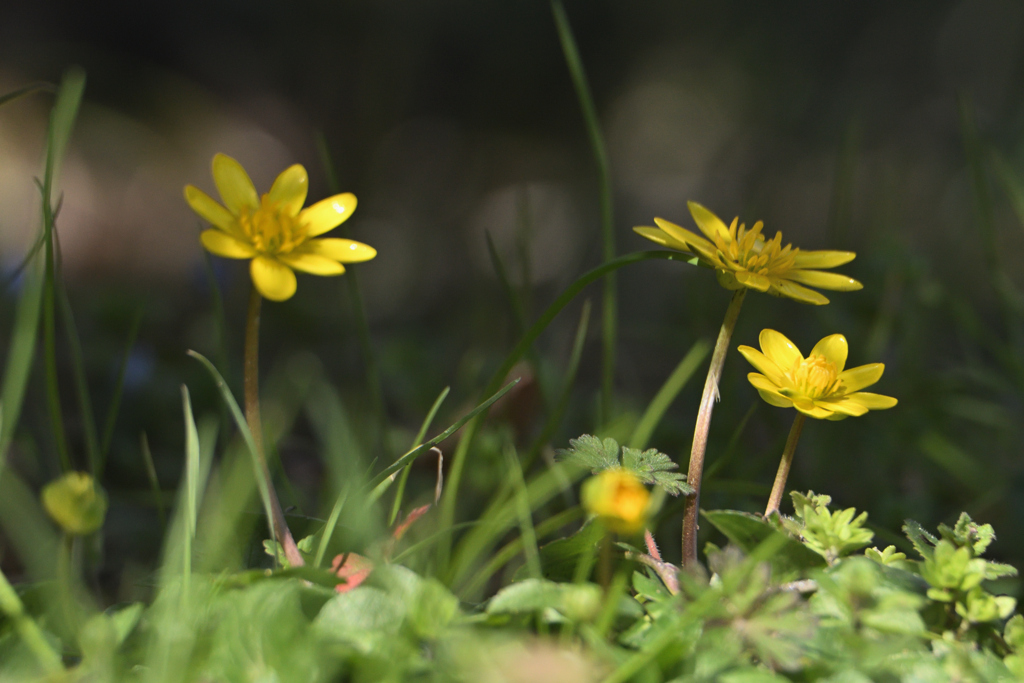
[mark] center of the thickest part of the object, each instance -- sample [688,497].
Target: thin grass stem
[700,432]
[400,493]
[115,401]
[609,321]
[27,628]
[526,529]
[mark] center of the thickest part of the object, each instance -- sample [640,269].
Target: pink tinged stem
[282,534]
[700,431]
[779,487]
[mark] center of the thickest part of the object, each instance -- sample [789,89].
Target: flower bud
[76,502]
[618,499]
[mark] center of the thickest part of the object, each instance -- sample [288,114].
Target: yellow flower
[76,502]
[618,499]
[743,258]
[817,385]
[274,230]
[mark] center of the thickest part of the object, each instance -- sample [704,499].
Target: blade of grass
[609,321]
[555,418]
[524,513]
[191,488]
[458,460]
[62,119]
[88,419]
[422,448]
[506,285]
[115,401]
[243,428]
[328,530]
[147,458]
[667,394]
[400,493]
[25,91]
[27,629]
[362,324]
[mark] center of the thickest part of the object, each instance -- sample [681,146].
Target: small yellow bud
[618,499]
[76,502]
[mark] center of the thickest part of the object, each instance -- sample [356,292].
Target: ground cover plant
[471,548]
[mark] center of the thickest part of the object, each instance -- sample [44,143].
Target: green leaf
[923,541]
[653,467]
[575,601]
[748,531]
[558,559]
[364,617]
[590,452]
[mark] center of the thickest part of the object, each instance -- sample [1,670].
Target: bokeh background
[893,129]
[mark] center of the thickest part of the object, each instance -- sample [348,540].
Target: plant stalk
[29,631]
[779,487]
[282,534]
[700,431]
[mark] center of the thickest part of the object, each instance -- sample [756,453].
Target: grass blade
[92,447]
[154,482]
[399,494]
[570,293]
[27,90]
[609,321]
[115,401]
[555,418]
[524,513]
[667,394]
[506,285]
[243,428]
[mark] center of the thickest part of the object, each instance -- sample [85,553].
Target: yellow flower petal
[273,279]
[681,234]
[752,280]
[207,207]
[312,264]
[220,243]
[234,185]
[710,224]
[779,349]
[834,348]
[339,249]
[768,390]
[797,292]
[872,401]
[822,259]
[842,405]
[861,376]
[808,408]
[289,190]
[661,237]
[763,363]
[817,278]
[327,214]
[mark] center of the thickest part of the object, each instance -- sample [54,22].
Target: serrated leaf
[590,452]
[653,467]
[748,531]
[923,541]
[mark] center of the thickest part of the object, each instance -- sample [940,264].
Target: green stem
[609,320]
[29,631]
[700,431]
[779,487]
[252,416]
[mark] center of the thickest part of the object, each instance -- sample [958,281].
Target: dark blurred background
[894,129]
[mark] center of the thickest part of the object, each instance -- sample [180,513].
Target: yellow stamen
[814,377]
[270,230]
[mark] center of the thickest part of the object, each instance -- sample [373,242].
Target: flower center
[749,250]
[814,377]
[269,230]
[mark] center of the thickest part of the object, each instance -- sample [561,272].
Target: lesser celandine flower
[273,229]
[818,386]
[76,502]
[744,259]
[618,499]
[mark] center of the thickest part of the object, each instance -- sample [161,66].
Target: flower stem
[252,416]
[700,431]
[29,631]
[779,487]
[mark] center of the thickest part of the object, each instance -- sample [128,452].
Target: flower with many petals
[273,229]
[743,258]
[818,385]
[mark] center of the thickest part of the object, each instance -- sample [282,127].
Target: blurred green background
[893,129]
